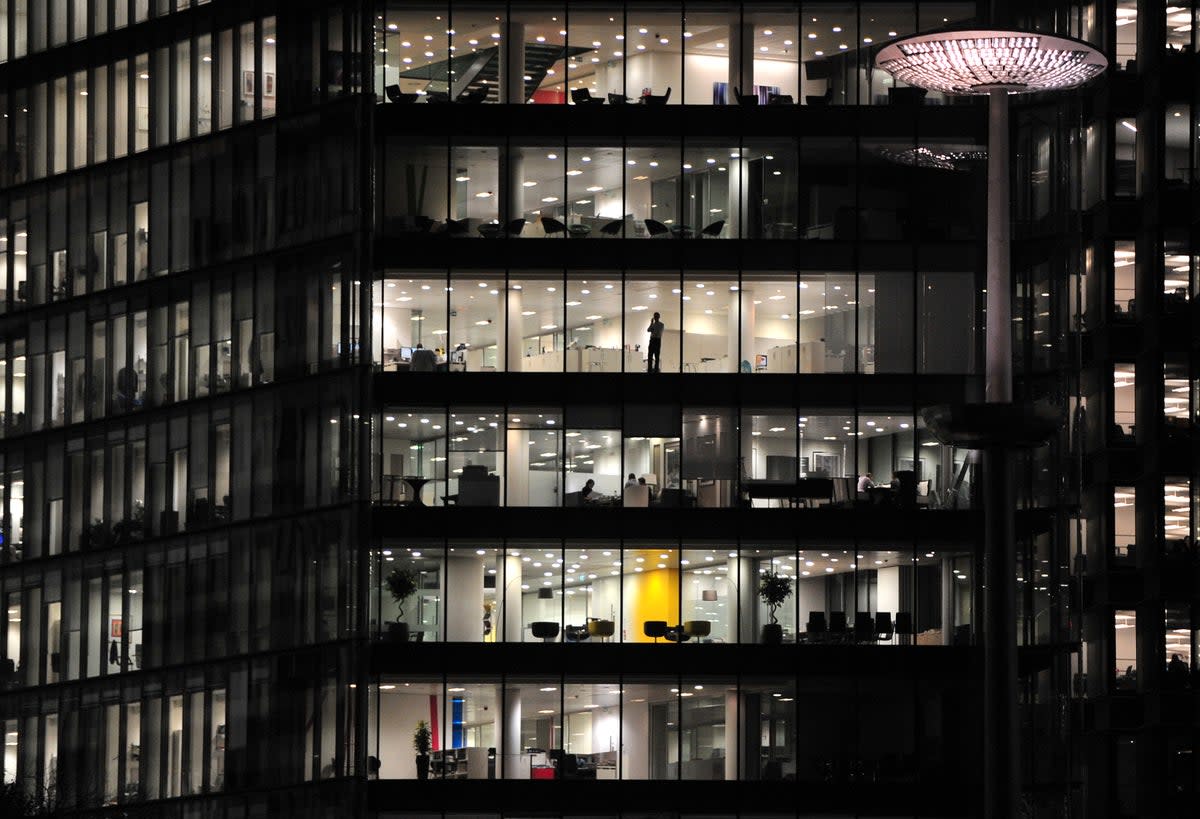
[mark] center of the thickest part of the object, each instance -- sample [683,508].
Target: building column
[748,311]
[463,599]
[512,181]
[511,342]
[947,600]
[513,602]
[747,599]
[512,63]
[741,57]
[510,745]
[518,468]
[733,735]
[734,205]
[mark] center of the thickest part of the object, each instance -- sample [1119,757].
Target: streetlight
[995,63]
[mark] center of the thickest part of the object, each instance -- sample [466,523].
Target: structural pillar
[511,735]
[514,608]
[512,63]
[512,206]
[747,600]
[732,736]
[741,57]
[511,343]
[749,313]
[463,599]
[947,600]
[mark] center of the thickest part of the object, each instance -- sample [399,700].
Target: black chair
[651,99]
[582,96]
[837,624]
[713,230]
[553,226]
[883,626]
[575,634]
[655,629]
[677,634]
[457,227]
[780,99]
[474,96]
[656,228]
[514,227]
[490,230]
[816,628]
[437,96]
[745,99]
[824,99]
[613,228]
[394,94]
[864,627]
[544,631]
[617,99]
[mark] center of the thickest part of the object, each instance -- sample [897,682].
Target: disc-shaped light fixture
[976,62]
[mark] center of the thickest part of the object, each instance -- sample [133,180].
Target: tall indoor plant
[773,589]
[401,584]
[422,741]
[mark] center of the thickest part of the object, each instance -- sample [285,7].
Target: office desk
[415,484]
[805,489]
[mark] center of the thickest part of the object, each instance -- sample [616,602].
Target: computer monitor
[406,353]
[760,362]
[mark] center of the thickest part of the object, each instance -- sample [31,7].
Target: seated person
[588,493]
[423,360]
[632,480]
[866,482]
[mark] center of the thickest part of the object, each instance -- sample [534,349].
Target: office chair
[553,226]
[816,628]
[837,624]
[655,629]
[883,626]
[697,629]
[394,94]
[613,228]
[457,227]
[651,99]
[582,96]
[713,230]
[544,631]
[656,228]
[780,99]
[864,627]
[514,227]
[617,99]
[824,99]
[745,99]
[474,96]
[904,625]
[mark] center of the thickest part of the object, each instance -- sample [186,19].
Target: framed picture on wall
[247,83]
[904,464]
[268,84]
[117,628]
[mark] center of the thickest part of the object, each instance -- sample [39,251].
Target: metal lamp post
[995,63]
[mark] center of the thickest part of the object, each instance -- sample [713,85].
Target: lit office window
[1124,417]
[1177,516]
[1127,35]
[1125,526]
[1181,647]
[1125,664]
[1124,270]
[1127,180]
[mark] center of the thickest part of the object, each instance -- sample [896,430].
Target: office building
[527,398]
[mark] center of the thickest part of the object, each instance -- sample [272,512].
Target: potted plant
[401,584]
[773,589]
[422,740]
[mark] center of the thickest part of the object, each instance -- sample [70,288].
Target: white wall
[887,592]
[635,738]
[398,717]
[810,596]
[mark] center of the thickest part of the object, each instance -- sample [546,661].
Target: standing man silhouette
[654,352]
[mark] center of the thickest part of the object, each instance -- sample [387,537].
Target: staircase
[478,73]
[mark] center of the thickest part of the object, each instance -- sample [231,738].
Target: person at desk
[1177,669]
[866,482]
[631,480]
[588,494]
[423,360]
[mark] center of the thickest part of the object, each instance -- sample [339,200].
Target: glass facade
[235,576]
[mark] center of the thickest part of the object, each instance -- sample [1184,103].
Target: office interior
[681,53]
[665,593]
